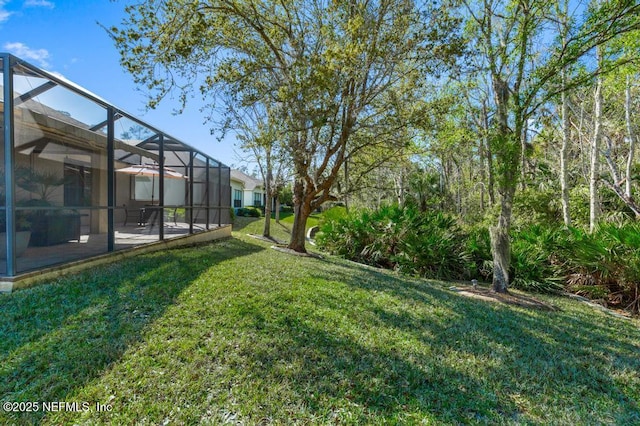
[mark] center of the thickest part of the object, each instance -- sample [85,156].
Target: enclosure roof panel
[23,68]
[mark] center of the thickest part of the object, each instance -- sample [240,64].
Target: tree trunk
[566,129]
[298,232]
[302,210]
[632,139]
[501,251]
[523,156]
[499,234]
[267,205]
[500,242]
[483,173]
[566,134]
[509,145]
[277,209]
[489,154]
[595,150]
[346,186]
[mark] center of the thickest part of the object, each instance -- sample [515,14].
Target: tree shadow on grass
[314,362]
[336,379]
[576,362]
[55,338]
[241,222]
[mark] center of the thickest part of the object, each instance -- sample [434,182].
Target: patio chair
[133,214]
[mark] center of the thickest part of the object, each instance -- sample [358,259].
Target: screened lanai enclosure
[80,177]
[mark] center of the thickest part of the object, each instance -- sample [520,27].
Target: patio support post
[207,189]
[111,178]
[161,185]
[10,201]
[191,158]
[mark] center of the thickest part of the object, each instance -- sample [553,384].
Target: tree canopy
[340,73]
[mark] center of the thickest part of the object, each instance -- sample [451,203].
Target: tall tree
[594,175]
[562,12]
[510,38]
[506,32]
[257,129]
[631,134]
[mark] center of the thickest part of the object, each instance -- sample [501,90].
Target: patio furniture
[150,213]
[48,230]
[132,214]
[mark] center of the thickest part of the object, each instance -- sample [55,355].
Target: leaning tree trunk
[614,185]
[298,232]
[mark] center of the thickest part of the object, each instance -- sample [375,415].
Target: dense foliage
[604,265]
[428,244]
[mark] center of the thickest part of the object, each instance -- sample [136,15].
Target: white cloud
[4,13]
[40,56]
[39,3]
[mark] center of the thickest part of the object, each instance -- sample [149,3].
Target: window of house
[237,198]
[257,199]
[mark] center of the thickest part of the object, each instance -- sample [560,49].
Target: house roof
[249,182]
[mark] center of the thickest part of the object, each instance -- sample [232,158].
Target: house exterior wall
[248,198]
[247,189]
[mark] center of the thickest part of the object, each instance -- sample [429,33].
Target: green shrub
[478,247]
[334,213]
[534,259]
[253,211]
[579,205]
[427,244]
[545,257]
[604,265]
[537,206]
[249,212]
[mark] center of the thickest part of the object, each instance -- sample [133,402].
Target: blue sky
[64,37]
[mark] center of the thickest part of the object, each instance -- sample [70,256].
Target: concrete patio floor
[96,244]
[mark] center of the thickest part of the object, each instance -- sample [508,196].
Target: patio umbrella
[151,170]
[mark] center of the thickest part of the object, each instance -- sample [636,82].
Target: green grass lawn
[235,332]
[251,225]
[280,231]
[312,220]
